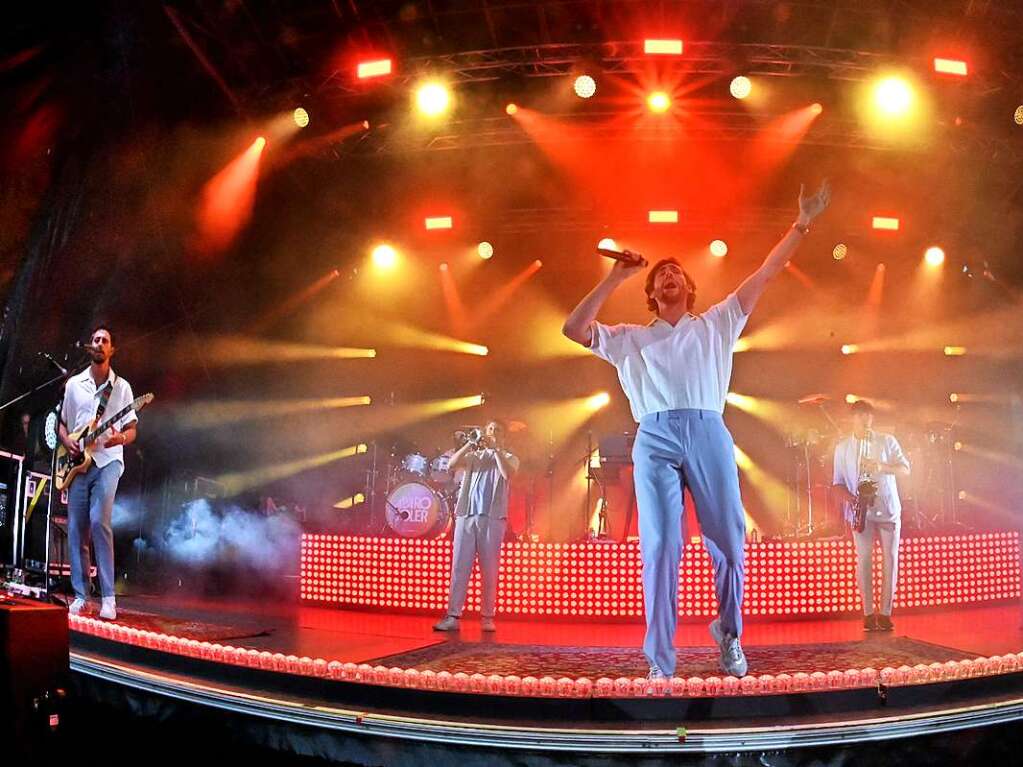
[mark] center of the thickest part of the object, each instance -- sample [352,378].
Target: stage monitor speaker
[34,670]
[10,481]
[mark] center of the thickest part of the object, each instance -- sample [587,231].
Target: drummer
[481,514]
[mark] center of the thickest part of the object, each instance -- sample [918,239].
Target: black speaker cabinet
[34,668]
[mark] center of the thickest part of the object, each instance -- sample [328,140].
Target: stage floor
[351,636]
[553,686]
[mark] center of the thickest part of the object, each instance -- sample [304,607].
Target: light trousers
[693,449]
[90,507]
[476,536]
[888,534]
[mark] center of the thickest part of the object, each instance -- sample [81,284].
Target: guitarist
[87,395]
[872,457]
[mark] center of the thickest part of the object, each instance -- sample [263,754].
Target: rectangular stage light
[663,216]
[376,68]
[955,351]
[950,67]
[439,222]
[663,47]
[885,222]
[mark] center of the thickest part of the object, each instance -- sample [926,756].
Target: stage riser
[603,581]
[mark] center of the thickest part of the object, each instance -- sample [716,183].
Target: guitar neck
[94,435]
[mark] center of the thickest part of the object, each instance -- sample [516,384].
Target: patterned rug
[184,627]
[594,662]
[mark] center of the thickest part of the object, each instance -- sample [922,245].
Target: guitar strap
[104,398]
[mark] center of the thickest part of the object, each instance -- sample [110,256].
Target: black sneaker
[884,623]
[870,622]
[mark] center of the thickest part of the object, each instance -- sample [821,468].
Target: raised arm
[577,326]
[809,208]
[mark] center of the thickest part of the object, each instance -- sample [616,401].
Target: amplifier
[34,669]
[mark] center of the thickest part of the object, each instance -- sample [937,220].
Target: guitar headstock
[140,402]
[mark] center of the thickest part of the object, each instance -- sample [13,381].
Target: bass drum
[416,510]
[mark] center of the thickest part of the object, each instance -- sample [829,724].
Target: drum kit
[422,492]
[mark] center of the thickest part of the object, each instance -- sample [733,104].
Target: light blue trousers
[90,507]
[476,536]
[676,449]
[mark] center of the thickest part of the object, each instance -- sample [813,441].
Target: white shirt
[484,490]
[81,399]
[664,367]
[883,448]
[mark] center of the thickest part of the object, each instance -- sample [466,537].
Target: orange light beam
[226,202]
[876,292]
[316,145]
[453,302]
[291,303]
[504,293]
[800,275]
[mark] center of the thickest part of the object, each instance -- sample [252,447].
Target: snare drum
[415,463]
[416,510]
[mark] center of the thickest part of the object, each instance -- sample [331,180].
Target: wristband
[803,229]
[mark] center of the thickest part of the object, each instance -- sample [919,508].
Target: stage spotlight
[608,244]
[538,263]
[719,248]
[1017,116]
[850,398]
[850,348]
[885,222]
[957,445]
[259,144]
[511,109]
[301,117]
[953,398]
[816,108]
[934,256]
[597,401]
[662,216]
[955,351]
[584,86]
[893,96]
[443,266]
[377,68]
[740,87]
[433,99]
[485,250]
[385,257]
[951,67]
[961,495]
[438,222]
[658,102]
[840,251]
[663,47]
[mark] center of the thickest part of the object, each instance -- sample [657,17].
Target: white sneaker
[77,607]
[733,659]
[652,683]
[108,611]
[447,623]
[487,624]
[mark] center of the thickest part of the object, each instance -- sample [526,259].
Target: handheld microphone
[625,256]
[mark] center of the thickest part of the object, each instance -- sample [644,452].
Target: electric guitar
[67,467]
